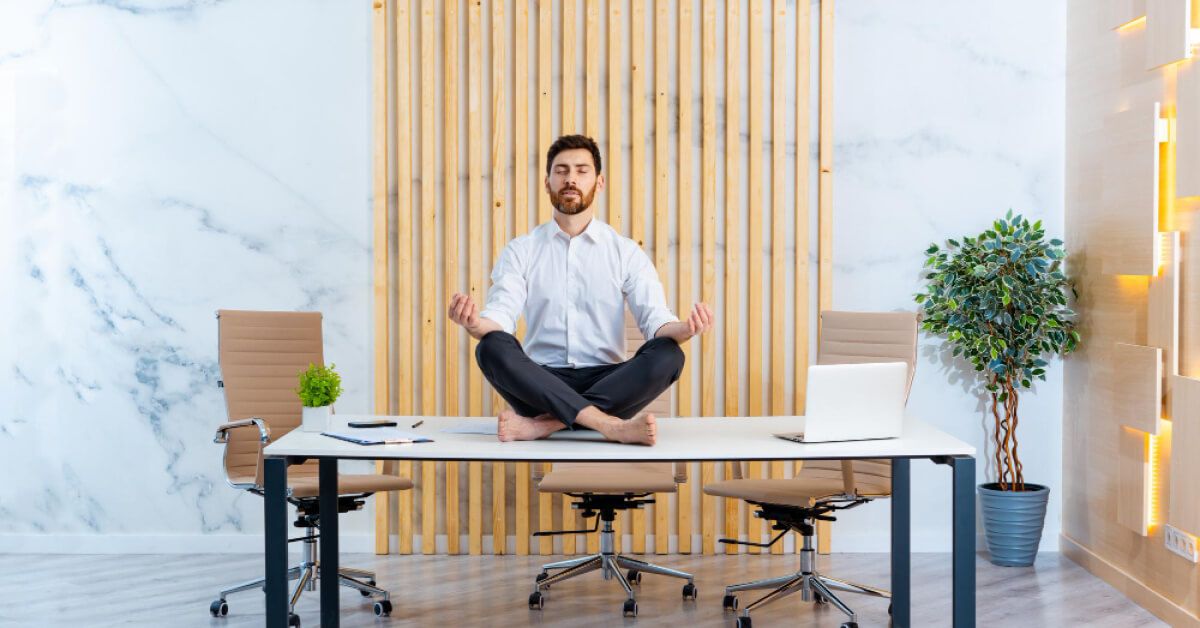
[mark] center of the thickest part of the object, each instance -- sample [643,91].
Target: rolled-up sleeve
[506,297]
[645,295]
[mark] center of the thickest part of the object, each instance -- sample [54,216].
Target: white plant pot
[315,419]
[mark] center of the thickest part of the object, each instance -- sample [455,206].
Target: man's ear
[599,182]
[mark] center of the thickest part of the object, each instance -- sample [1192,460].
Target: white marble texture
[170,158]
[160,159]
[947,114]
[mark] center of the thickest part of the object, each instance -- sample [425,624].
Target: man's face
[573,182]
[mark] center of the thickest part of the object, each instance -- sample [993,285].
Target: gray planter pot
[1012,522]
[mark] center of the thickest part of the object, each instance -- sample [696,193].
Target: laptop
[853,402]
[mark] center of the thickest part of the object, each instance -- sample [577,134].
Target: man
[571,277]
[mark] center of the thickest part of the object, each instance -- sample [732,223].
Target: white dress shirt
[573,292]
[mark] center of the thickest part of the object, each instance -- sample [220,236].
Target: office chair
[603,489]
[261,354]
[824,486]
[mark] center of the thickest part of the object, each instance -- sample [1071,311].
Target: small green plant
[1000,299]
[319,386]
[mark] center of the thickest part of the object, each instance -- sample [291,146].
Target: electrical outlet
[1180,542]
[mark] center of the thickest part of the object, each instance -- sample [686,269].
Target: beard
[574,204]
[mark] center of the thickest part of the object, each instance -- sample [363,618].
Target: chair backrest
[261,354]
[858,337]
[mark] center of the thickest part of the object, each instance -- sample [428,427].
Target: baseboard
[155,544]
[843,542]
[1131,587]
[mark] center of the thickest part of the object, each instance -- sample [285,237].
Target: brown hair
[569,142]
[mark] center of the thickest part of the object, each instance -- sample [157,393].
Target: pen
[418,423]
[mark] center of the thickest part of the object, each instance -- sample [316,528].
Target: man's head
[573,173]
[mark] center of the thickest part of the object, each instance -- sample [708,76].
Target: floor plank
[175,590]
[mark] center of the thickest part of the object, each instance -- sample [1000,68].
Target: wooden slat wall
[481,53]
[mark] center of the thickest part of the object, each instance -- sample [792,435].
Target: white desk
[679,439]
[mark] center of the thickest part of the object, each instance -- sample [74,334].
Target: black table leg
[901,533]
[275,534]
[964,541]
[330,605]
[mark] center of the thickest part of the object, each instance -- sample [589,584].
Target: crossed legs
[606,398]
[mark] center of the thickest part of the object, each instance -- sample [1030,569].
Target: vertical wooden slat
[778,223]
[450,246]
[475,254]
[428,271]
[662,225]
[404,314]
[803,163]
[567,92]
[637,124]
[545,118]
[499,225]
[521,217]
[637,204]
[754,240]
[545,500]
[708,248]
[825,196]
[615,124]
[570,61]
[733,205]
[591,117]
[684,283]
[612,161]
[379,192]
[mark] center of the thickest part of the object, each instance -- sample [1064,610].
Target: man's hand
[699,321]
[464,312]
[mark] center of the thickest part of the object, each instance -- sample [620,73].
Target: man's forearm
[483,328]
[677,331]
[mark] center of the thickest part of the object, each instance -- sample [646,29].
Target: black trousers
[617,389]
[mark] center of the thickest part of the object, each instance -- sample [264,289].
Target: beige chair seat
[609,477]
[306,486]
[797,492]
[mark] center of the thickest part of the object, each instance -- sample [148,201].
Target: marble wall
[161,159]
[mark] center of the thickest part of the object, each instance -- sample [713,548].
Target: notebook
[378,436]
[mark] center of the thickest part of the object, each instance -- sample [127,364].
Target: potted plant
[1000,299]
[320,386]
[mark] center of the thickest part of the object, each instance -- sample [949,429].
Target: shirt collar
[594,232]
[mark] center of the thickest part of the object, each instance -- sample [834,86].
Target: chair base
[307,573]
[812,587]
[610,563]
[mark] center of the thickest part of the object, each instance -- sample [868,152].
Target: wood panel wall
[1133,240]
[468,96]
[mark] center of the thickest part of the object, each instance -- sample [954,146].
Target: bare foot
[640,430]
[512,426]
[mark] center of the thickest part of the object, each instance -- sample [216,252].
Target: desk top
[679,439]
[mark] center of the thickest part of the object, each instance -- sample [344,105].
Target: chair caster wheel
[542,576]
[218,608]
[689,591]
[630,608]
[536,601]
[743,622]
[293,620]
[850,624]
[383,608]
[634,576]
[367,593]
[820,600]
[730,603]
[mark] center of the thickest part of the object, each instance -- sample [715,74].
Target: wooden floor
[445,591]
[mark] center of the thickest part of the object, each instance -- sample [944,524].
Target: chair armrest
[264,431]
